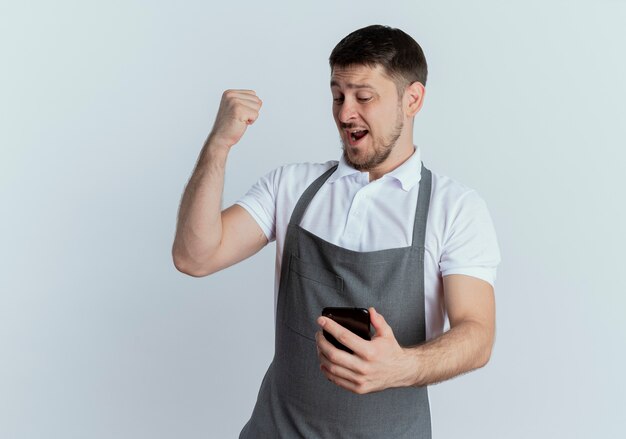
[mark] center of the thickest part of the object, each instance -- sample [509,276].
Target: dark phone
[356,320]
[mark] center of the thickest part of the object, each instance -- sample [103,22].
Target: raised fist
[238,109]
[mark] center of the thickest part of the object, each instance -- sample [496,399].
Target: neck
[400,154]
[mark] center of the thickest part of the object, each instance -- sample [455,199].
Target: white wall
[103,109]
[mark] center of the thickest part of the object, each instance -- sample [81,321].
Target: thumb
[380,324]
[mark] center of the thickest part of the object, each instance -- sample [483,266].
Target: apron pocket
[315,273]
[310,288]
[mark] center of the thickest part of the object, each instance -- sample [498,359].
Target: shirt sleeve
[470,245]
[260,202]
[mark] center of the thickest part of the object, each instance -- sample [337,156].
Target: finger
[232,99]
[343,335]
[249,100]
[251,120]
[241,91]
[380,324]
[324,346]
[246,115]
[240,94]
[235,106]
[334,355]
[248,105]
[337,370]
[341,382]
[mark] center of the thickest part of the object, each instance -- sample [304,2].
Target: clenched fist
[238,109]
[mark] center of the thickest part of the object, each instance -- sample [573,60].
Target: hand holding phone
[356,320]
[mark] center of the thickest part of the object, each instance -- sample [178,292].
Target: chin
[359,161]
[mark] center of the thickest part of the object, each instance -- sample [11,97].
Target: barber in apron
[295,399]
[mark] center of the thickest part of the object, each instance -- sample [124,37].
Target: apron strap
[307,196]
[421,212]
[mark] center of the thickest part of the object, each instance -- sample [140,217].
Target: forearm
[199,225]
[465,347]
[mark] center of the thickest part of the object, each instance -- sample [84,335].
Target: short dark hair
[400,56]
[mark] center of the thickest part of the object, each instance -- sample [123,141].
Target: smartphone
[356,320]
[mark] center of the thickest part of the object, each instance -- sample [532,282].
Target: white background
[104,107]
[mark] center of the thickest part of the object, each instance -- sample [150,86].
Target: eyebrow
[351,85]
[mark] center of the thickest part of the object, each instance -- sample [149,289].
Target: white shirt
[354,213]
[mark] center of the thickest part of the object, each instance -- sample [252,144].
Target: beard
[382,149]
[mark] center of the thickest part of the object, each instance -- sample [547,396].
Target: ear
[414,98]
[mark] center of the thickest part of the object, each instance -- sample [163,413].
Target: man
[376,230]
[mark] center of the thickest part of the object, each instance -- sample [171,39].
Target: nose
[347,112]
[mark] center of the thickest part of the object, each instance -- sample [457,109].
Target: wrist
[216,146]
[413,368]
[215,151]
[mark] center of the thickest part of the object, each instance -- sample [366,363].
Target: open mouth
[357,135]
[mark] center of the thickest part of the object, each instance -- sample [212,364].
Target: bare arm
[467,345]
[382,363]
[207,238]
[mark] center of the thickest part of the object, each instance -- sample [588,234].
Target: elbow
[485,337]
[189,267]
[484,358]
[485,353]
[189,270]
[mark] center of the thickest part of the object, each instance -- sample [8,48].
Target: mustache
[348,126]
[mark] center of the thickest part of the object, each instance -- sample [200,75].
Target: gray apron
[295,399]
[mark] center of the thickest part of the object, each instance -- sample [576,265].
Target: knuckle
[362,370]
[332,356]
[343,337]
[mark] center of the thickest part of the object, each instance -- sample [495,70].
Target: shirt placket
[356,222]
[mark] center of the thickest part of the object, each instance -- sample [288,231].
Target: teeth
[353,134]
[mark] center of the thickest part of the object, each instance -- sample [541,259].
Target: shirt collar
[408,174]
[343,170]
